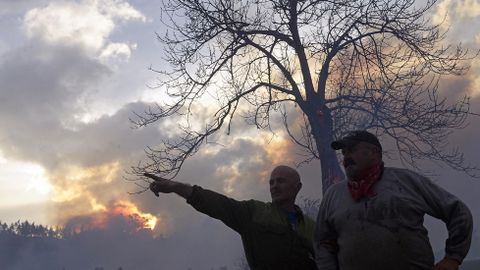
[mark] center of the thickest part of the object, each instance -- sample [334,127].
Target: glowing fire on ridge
[102,215]
[126,208]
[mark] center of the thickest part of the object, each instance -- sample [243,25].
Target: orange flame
[126,208]
[101,217]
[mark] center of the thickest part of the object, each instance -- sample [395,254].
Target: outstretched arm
[168,186]
[235,214]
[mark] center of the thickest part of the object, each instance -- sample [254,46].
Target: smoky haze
[55,93]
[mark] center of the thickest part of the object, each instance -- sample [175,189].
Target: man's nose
[346,156]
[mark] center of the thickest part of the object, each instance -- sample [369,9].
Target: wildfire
[103,217]
[128,209]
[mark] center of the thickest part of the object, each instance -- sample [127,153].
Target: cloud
[117,50]
[459,18]
[442,14]
[90,182]
[42,88]
[46,86]
[88,24]
[48,83]
[19,6]
[117,9]
[468,8]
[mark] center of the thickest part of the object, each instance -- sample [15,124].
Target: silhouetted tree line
[27,229]
[27,245]
[19,236]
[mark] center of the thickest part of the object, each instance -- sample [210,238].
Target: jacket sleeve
[235,214]
[456,215]
[325,239]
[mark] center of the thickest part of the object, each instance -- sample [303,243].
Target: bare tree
[337,65]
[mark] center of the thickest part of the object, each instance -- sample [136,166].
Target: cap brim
[343,143]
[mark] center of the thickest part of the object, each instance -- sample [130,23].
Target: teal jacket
[268,239]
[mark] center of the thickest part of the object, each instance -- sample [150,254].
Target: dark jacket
[268,239]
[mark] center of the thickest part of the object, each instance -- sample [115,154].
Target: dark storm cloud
[41,91]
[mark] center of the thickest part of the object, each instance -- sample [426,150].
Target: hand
[160,184]
[447,264]
[330,245]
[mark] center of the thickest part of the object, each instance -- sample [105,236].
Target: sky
[72,73]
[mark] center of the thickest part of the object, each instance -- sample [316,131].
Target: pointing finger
[154,189]
[152,176]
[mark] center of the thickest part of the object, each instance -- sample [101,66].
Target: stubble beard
[351,171]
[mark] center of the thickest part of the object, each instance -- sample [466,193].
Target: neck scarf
[362,185]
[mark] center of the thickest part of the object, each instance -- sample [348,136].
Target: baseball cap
[355,137]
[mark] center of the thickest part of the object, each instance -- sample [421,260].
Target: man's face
[283,186]
[357,158]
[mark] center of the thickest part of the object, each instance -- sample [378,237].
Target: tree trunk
[322,130]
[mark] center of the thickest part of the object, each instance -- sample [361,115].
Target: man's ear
[377,152]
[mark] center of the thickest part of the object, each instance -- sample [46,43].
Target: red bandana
[362,185]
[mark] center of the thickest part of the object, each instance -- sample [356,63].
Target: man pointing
[275,236]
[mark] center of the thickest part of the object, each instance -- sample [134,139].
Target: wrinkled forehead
[358,146]
[285,172]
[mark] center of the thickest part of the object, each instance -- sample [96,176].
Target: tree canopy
[332,66]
